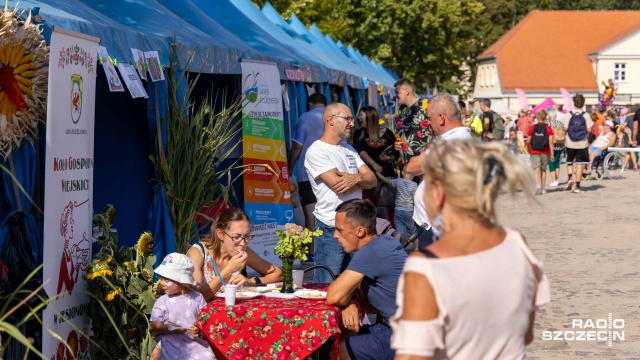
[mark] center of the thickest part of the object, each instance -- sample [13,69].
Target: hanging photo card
[132,80]
[155,69]
[115,85]
[138,57]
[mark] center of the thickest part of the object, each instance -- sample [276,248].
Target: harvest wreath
[23,79]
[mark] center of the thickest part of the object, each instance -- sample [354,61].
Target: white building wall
[625,52]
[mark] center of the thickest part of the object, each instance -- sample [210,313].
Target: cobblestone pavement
[590,247]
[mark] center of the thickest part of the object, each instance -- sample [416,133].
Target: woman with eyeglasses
[224,253]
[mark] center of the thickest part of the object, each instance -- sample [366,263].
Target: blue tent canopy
[345,64]
[269,17]
[229,16]
[123,25]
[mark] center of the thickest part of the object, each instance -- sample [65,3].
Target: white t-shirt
[419,210]
[320,158]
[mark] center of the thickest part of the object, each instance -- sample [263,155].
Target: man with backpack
[577,125]
[540,141]
[493,123]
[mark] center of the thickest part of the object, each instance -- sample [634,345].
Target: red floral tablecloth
[269,328]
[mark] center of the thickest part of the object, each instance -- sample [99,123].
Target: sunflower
[23,79]
[110,296]
[145,244]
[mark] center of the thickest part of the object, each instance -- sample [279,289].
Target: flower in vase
[293,241]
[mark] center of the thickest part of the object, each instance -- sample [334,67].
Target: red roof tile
[548,50]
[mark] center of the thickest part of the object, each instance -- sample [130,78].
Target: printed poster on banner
[131,79]
[115,85]
[155,68]
[68,205]
[267,193]
[138,58]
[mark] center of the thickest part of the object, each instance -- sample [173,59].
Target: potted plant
[292,245]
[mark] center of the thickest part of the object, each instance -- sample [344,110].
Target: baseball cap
[609,123]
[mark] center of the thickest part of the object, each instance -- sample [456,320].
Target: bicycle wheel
[612,164]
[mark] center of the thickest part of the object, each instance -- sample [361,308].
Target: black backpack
[577,129]
[540,137]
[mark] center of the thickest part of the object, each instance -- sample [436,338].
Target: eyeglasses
[348,118]
[236,239]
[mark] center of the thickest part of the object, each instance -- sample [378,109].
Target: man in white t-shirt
[336,173]
[446,120]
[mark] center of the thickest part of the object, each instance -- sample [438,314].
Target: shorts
[555,164]
[305,191]
[577,156]
[373,342]
[596,149]
[540,161]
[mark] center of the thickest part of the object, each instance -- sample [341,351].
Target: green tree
[426,41]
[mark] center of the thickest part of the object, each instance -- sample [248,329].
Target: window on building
[620,72]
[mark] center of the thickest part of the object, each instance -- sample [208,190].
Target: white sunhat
[177,267]
[610,124]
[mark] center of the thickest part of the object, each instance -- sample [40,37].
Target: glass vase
[287,275]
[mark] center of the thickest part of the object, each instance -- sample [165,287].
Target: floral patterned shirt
[415,129]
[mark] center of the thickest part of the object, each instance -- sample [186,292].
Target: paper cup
[230,294]
[297,278]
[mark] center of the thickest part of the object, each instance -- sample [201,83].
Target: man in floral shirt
[412,123]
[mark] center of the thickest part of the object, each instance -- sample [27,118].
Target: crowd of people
[549,135]
[456,297]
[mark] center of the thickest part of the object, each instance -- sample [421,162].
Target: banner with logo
[267,196]
[68,191]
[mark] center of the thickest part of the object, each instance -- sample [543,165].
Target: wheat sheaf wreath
[23,79]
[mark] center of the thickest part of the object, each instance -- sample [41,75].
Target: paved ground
[590,246]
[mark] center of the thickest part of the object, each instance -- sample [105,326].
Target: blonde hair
[211,241]
[541,115]
[472,173]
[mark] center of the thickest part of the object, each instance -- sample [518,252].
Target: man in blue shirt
[371,277]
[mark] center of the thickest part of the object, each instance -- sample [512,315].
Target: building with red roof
[575,50]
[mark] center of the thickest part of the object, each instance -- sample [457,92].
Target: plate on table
[311,294]
[278,287]
[242,294]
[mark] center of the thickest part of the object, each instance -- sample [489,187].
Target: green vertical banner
[267,195]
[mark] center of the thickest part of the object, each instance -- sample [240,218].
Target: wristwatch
[257,280]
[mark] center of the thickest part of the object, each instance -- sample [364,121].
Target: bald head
[334,109]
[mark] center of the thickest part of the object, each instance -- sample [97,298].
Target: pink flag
[568,103]
[522,98]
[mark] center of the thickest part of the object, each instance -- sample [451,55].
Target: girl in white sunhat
[176,311]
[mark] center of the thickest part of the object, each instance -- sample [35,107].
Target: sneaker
[576,190]
[569,186]
[553,183]
[544,191]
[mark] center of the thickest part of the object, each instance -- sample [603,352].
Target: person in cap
[602,142]
[177,310]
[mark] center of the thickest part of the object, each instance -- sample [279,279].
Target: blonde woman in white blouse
[473,293]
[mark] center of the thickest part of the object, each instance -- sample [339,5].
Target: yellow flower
[147,275]
[98,273]
[110,296]
[145,244]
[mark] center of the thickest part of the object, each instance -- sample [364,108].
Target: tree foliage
[426,41]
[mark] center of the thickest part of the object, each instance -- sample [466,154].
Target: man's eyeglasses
[348,118]
[236,239]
